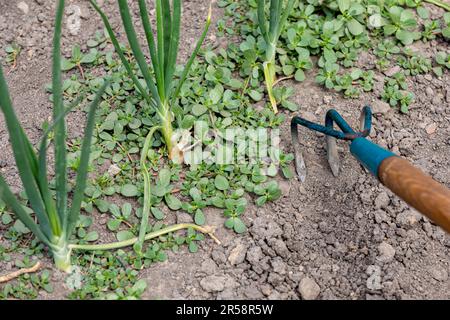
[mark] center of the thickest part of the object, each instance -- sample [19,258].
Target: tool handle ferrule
[369,154]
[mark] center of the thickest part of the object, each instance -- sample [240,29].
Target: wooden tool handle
[417,189]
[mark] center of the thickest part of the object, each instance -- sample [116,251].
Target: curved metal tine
[300,166]
[332,152]
[365,121]
[341,123]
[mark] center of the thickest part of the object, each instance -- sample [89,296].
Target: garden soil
[329,238]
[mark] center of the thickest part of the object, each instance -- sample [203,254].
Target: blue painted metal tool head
[346,133]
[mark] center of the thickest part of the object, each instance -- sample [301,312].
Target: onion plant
[161,90]
[271,30]
[55,218]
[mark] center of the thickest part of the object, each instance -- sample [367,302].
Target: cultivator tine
[365,121]
[332,152]
[362,121]
[333,156]
[300,166]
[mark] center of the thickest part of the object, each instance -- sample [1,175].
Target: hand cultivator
[408,182]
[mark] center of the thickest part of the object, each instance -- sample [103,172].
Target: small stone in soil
[254,254]
[237,254]
[387,252]
[374,280]
[280,247]
[408,218]
[380,107]
[23,6]
[308,289]
[380,216]
[208,266]
[327,99]
[218,256]
[429,91]
[279,266]
[436,100]
[439,273]
[213,283]
[382,200]
[431,128]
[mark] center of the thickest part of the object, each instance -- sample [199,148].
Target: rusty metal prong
[300,166]
[362,121]
[333,156]
[365,121]
[332,152]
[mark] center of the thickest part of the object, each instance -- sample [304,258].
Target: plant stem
[245,85]
[147,192]
[270,52]
[167,130]
[121,244]
[439,4]
[61,256]
[269,75]
[282,79]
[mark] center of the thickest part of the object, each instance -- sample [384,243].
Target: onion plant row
[56,217]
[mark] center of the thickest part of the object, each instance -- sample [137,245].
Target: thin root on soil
[282,79]
[20,272]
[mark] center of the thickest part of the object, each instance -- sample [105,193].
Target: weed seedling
[443,61]
[12,52]
[77,59]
